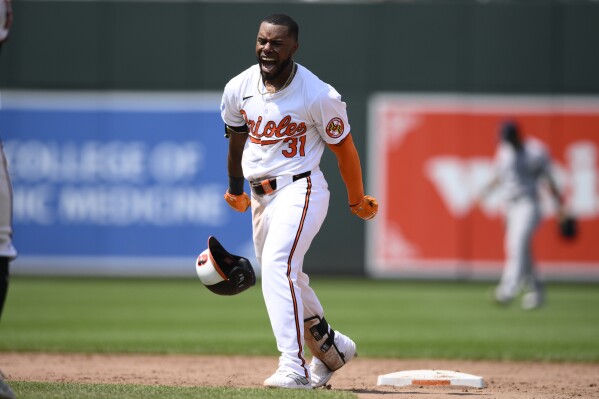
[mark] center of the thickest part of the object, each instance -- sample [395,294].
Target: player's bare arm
[236,145]
[557,197]
[363,206]
[235,196]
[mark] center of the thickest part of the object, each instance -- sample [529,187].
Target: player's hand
[365,209]
[238,202]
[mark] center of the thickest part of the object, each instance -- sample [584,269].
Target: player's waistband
[267,186]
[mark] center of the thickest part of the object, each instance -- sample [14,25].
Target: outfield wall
[539,48]
[118,183]
[432,157]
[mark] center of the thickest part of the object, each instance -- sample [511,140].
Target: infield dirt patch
[505,380]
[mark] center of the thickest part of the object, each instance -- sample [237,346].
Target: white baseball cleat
[287,379]
[501,298]
[533,300]
[321,374]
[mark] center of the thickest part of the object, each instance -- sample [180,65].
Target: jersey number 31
[295,145]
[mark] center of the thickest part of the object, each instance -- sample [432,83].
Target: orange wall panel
[431,155]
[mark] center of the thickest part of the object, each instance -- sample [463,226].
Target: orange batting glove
[240,203]
[365,209]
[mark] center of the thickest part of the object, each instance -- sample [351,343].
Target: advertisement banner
[431,155]
[118,183]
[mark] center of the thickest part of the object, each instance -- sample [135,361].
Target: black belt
[267,186]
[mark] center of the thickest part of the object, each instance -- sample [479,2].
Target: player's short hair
[284,20]
[509,132]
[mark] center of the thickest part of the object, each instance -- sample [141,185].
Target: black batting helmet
[222,272]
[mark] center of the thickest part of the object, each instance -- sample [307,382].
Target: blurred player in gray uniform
[520,165]
[7,251]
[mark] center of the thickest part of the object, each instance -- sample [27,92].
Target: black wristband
[236,185]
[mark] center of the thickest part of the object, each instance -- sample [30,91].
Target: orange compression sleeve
[350,169]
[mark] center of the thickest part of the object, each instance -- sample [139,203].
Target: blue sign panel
[114,184]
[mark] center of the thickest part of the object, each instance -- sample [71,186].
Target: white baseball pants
[6,246]
[522,219]
[284,224]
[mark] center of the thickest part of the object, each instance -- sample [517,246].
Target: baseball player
[520,164]
[7,251]
[279,118]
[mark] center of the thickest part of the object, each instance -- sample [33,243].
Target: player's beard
[277,72]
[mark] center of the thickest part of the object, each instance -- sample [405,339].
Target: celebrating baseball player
[520,165]
[279,118]
[7,250]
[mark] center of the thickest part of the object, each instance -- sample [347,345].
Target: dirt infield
[505,380]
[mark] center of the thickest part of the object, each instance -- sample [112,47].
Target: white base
[431,378]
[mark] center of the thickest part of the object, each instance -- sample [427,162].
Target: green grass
[39,390]
[396,319]
[385,318]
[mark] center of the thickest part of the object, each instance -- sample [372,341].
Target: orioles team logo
[286,127]
[202,259]
[335,128]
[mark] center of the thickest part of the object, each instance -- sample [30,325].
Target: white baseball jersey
[288,129]
[520,171]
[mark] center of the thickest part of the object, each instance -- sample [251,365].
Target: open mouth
[268,65]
